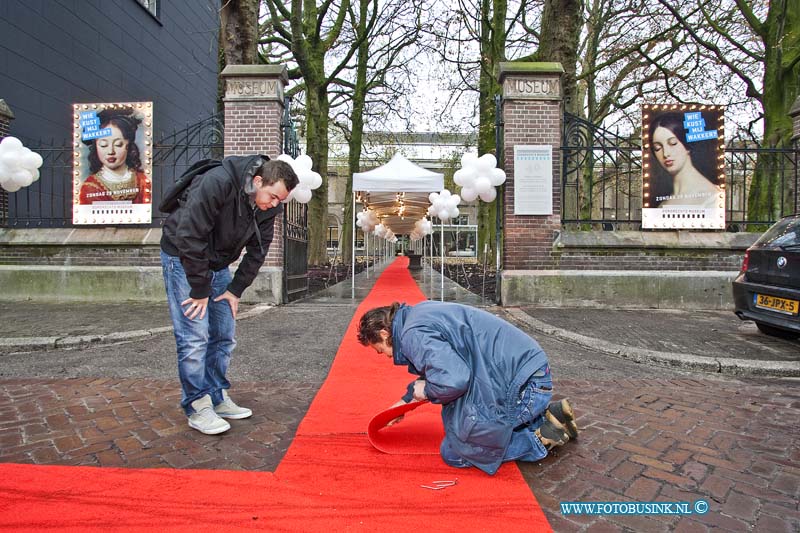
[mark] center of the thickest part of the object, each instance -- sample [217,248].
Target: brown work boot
[552,433]
[563,412]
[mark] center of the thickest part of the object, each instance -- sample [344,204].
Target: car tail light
[745,261]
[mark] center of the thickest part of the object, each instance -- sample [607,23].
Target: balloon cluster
[309,180]
[422,227]
[367,220]
[19,166]
[443,205]
[479,177]
[385,233]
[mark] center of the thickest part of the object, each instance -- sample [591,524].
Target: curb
[728,366]
[36,344]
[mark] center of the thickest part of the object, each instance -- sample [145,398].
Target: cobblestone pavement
[731,443]
[135,423]
[648,433]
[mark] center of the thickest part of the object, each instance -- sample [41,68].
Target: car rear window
[784,234]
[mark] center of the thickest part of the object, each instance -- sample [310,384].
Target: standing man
[230,207]
[492,380]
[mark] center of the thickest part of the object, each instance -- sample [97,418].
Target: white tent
[397,192]
[398,175]
[398,181]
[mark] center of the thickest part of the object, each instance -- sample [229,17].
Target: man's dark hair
[373,321]
[274,170]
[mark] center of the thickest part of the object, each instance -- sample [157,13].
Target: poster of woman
[112,163]
[683,178]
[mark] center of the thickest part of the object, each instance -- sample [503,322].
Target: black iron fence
[47,203]
[602,180]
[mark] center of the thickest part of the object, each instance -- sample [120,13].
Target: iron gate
[295,225]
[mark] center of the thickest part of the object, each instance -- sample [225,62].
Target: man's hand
[419,390]
[232,299]
[399,418]
[197,308]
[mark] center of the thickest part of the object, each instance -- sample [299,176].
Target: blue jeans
[204,345]
[533,399]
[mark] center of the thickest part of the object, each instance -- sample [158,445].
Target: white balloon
[469,176]
[432,197]
[302,194]
[35,174]
[304,162]
[432,210]
[497,176]
[5,169]
[486,163]
[458,177]
[9,159]
[10,143]
[31,160]
[489,195]
[482,185]
[286,158]
[10,186]
[23,177]
[454,200]
[454,212]
[469,159]
[468,194]
[316,180]
[444,214]
[444,194]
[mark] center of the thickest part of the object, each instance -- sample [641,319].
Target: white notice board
[533,180]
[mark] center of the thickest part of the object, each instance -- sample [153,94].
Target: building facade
[55,53]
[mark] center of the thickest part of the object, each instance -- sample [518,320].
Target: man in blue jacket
[230,207]
[492,379]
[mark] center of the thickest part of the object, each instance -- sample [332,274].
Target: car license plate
[781,305]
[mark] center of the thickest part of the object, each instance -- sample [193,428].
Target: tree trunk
[317,108]
[356,134]
[492,54]
[561,30]
[781,85]
[239,31]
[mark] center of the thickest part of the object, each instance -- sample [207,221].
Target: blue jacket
[474,364]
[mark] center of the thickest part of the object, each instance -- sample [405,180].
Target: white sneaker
[204,419]
[228,409]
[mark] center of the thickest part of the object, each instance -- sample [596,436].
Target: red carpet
[419,433]
[331,479]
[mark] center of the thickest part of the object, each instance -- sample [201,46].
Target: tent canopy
[398,181]
[398,175]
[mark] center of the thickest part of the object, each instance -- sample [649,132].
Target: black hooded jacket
[216,220]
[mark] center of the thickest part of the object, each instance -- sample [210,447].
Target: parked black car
[767,290]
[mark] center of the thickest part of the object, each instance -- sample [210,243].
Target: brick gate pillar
[532,115]
[253,111]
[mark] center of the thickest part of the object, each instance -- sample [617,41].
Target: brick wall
[90,255]
[253,128]
[644,258]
